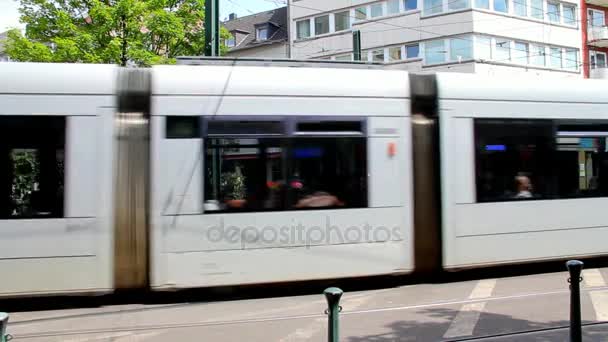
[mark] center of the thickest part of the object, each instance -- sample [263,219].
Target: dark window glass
[260,173]
[31,167]
[328,172]
[182,127]
[329,126]
[227,128]
[540,159]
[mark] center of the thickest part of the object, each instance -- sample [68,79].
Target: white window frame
[310,28]
[329,19]
[383,9]
[446,54]
[543,10]
[563,20]
[559,14]
[400,7]
[594,54]
[332,27]
[257,33]
[589,22]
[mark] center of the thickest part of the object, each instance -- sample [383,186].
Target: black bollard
[3,323]
[333,295]
[575,268]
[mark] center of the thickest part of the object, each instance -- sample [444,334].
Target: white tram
[200,176]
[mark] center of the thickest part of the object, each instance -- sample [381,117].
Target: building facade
[260,35]
[595,38]
[495,37]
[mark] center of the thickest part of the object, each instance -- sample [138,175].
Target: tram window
[513,159]
[182,127]
[581,159]
[257,166]
[328,172]
[31,167]
[540,159]
[244,174]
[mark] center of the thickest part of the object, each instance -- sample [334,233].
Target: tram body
[200,176]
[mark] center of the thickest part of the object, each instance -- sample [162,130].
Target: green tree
[143,32]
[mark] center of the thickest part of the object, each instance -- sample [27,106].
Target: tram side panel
[53,235]
[486,149]
[196,242]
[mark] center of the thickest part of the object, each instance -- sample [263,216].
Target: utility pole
[357,45]
[212,28]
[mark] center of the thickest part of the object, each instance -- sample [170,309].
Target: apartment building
[260,35]
[494,37]
[595,35]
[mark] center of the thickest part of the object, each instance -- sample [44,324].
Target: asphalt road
[522,308]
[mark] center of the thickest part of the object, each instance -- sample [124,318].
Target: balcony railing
[598,36]
[599,73]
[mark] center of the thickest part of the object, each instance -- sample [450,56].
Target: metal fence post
[3,323]
[575,268]
[333,295]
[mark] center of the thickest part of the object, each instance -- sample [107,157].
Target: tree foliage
[142,32]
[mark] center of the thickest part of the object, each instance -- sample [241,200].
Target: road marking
[599,299]
[593,278]
[120,337]
[465,321]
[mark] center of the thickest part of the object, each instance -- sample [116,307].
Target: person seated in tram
[523,187]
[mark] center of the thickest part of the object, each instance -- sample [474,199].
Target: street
[521,308]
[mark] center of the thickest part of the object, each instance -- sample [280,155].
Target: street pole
[357,45]
[212,28]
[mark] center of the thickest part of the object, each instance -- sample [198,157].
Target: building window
[536,9]
[458,4]
[461,48]
[303,29]
[537,55]
[378,55]
[230,42]
[393,6]
[596,18]
[314,170]
[347,57]
[569,14]
[32,159]
[520,7]
[394,53]
[501,6]
[262,33]
[553,12]
[484,4]
[342,20]
[409,5]
[434,52]
[520,53]
[360,13]
[483,47]
[597,59]
[503,50]
[321,25]
[555,59]
[432,6]
[571,59]
[540,159]
[412,51]
[376,10]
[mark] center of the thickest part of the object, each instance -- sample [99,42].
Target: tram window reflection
[540,159]
[328,172]
[244,174]
[32,167]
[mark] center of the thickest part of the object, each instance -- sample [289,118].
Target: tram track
[278,318]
